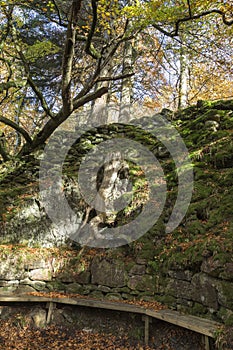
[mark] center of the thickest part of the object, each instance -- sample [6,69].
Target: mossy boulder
[108,273]
[142,283]
[225,294]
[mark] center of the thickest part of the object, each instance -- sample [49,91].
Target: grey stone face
[108,274]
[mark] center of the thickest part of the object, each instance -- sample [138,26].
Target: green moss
[229,321]
[223,257]
[166,300]
[146,252]
[211,205]
[56,285]
[195,227]
[226,316]
[198,309]
[202,190]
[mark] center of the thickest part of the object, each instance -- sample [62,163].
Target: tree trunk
[3,151]
[184,77]
[126,86]
[99,107]
[114,179]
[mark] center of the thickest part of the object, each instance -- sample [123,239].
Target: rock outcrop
[190,269]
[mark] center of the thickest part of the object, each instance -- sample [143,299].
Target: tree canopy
[56,57]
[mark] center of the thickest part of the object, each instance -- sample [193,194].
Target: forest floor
[57,337]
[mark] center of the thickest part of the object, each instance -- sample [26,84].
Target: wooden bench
[202,326]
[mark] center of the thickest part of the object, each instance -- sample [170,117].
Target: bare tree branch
[68,57]
[110,50]
[3,152]
[4,155]
[58,12]
[90,50]
[90,97]
[107,53]
[35,88]
[94,38]
[118,77]
[193,17]
[40,96]
[17,128]
[53,124]
[200,15]
[7,30]
[190,10]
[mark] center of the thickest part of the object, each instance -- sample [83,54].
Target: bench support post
[147,321]
[50,306]
[206,342]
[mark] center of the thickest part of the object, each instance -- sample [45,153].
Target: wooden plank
[117,306]
[102,304]
[194,323]
[24,298]
[197,324]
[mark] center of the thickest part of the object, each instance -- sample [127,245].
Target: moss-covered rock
[225,294]
[142,283]
[107,273]
[191,267]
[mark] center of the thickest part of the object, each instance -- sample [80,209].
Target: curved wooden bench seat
[200,325]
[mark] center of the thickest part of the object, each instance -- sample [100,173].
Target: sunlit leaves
[40,49]
[108,15]
[170,11]
[154,10]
